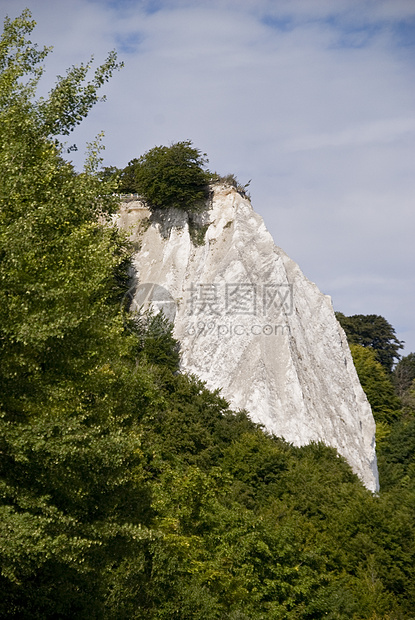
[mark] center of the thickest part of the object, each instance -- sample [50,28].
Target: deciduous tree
[72,494]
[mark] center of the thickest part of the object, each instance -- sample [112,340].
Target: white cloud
[388,130]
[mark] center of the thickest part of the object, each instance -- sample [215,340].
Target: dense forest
[127,489]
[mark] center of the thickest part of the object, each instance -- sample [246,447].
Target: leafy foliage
[397,455]
[376,384]
[110,173]
[127,489]
[155,342]
[373,331]
[169,176]
[404,375]
[71,492]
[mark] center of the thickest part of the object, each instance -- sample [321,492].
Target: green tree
[57,261]
[373,331]
[376,384]
[169,176]
[397,456]
[155,341]
[111,174]
[72,493]
[404,374]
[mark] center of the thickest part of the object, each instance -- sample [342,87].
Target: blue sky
[314,100]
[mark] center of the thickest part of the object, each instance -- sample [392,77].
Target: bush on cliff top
[169,176]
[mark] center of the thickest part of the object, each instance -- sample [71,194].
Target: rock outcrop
[250,323]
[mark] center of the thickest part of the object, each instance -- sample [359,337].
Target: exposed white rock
[249,322]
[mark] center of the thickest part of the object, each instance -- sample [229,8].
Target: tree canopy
[68,469]
[376,383]
[404,375]
[372,330]
[169,176]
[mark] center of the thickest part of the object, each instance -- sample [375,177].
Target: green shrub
[169,176]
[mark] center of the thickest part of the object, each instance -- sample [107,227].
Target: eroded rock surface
[249,322]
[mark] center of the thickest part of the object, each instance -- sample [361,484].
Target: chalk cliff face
[249,322]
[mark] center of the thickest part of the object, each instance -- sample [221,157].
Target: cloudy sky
[314,100]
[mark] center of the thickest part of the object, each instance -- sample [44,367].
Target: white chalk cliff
[250,323]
